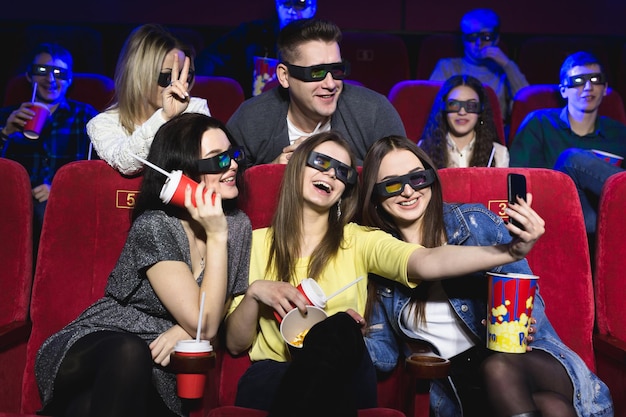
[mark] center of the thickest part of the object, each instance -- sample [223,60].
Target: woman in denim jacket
[549,380]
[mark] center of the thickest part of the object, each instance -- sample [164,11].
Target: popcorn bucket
[510,305]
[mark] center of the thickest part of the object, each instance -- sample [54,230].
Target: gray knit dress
[131,305]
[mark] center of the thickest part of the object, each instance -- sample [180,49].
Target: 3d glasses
[483,36]
[323,163]
[46,70]
[296,4]
[165,78]
[416,180]
[220,162]
[574,81]
[470,106]
[338,70]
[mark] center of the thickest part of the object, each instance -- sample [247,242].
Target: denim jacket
[475,225]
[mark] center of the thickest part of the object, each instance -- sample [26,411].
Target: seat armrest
[14,333]
[610,347]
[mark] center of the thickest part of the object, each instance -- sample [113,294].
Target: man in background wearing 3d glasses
[563,138]
[63,138]
[313,97]
[483,59]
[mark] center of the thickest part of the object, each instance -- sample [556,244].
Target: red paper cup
[313,293]
[510,306]
[173,191]
[193,358]
[32,128]
[611,158]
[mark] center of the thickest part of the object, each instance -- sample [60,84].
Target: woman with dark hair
[111,360]
[460,131]
[312,236]
[447,315]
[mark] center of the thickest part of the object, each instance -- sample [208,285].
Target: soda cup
[191,360]
[33,127]
[313,293]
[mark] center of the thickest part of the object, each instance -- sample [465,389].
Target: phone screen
[516,187]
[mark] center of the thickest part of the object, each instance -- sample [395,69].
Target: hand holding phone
[516,187]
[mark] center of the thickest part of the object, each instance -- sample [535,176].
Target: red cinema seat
[610,286]
[16,278]
[223,94]
[85,226]
[560,257]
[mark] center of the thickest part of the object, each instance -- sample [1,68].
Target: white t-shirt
[460,158]
[295,133]
[443,327]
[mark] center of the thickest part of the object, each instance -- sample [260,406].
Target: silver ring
[171,83]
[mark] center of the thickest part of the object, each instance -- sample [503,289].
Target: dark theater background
[102,27]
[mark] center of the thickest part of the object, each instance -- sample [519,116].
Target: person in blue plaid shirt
[63,138]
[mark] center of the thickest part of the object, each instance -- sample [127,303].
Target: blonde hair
[137,72]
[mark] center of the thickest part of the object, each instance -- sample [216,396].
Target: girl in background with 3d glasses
[402,195]
[112,360]
[312,236]
[153,77]
[460,131]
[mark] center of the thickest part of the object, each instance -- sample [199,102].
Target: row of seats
[412,99]
[378,59]
[223,94]
[81,242]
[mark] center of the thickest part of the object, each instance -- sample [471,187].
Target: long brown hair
[286,230]
[434,140]
[373,215]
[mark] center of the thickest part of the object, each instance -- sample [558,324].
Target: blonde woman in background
[153,77]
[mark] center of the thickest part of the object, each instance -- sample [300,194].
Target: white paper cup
[295,323]
[609,157]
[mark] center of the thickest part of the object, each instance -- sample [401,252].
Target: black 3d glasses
[45,70]
[416,180]
[470,106]
[220,162]
[483,36]
[165,78]
[596,78]
[323,163]
[296,4]
[338,70]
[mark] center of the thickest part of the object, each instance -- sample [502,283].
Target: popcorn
[508,316]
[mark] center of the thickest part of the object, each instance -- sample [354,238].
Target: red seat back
[95,89]
[560,257]
[16,277]
[609,258]
[414,99]
[545,96]
[540,57]
[610,286]
[223,94]
[85,227]
[377,60]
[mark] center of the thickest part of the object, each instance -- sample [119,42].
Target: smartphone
[516,187]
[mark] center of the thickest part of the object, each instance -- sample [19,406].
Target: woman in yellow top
[312,236]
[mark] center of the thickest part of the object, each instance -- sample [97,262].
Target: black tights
[533,381]
[107,374]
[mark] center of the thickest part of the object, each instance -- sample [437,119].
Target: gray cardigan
[362,117]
